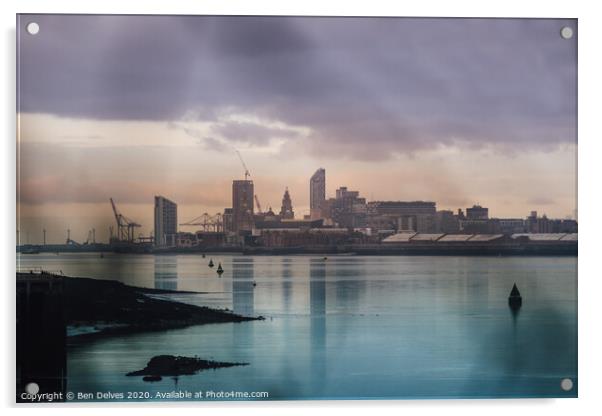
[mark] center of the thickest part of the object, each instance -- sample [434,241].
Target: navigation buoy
[219,269]
[211,263]
[515,300]
[203,255]
[102,256]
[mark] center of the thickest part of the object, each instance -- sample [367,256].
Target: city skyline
[243,192]
[457,124]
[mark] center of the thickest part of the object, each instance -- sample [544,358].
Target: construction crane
[259,211]
[244,165]
[125,226]
[208,223]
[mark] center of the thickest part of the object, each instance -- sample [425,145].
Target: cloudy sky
[458,111]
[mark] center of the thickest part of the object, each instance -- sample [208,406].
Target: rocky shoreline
[100,308]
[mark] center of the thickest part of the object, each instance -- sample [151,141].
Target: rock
[169,365]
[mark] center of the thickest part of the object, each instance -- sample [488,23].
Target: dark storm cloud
[250,132]
[366,88]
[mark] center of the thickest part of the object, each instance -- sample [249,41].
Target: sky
[457,111]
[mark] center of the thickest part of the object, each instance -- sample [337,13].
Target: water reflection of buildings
[287,284]
[166,272]
[243,297]
[317,308]
[350,284]
[477,284]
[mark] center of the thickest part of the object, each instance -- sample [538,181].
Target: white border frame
[590,91]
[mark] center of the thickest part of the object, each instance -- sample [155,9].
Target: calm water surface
[346,327]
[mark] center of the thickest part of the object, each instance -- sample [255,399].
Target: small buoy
[219,269]
[254,283]
[515,300]
[211,263]
[325,258]
[102,255]
[203,255]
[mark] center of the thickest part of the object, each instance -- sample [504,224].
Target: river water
[345,327]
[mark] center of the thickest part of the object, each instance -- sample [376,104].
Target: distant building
[446,222]
[425,223]
[227,220]
[186,239]
[544,225]
[511,225]
[317,193]
[401,208]
[286,210]
[347,210]
[418,216]
[166,222]
[479,226]
[343,193]
[270,216]
[379,223]
[308,237]
[477,212]
[568,226]
[292,224]
[200,239]
[242,205]
[508,226]
[535,224]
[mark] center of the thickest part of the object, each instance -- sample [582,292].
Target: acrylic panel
[295,208]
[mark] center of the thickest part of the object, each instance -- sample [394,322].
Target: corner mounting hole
[566,384]
[32,388]
[33,28]
[566,32]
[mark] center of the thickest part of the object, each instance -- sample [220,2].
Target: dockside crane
[91,237]
[126,228]
[69,241]
[208,223]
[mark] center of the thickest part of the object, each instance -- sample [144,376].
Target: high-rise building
[242,205]
[286,211]
[317,194]
[166,222]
